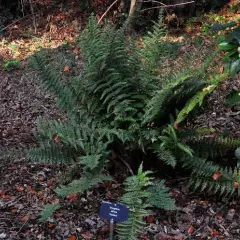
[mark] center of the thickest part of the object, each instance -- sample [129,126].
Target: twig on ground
[152,1]
[22,227]
[100,19]
[9,202]
[167,6]
[127,165]
[11,24]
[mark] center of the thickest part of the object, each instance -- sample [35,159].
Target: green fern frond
[198,98]
[208,146]
[81,185]
[166,156]
[135,198]
[54,154]
[203,176]
[171,141]
[182,87]
[48,211]
[160,197]
[233,99]
[52,81]
[133,226]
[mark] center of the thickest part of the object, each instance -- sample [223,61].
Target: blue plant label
[116,212]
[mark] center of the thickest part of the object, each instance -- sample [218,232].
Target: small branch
[167,6]
[152,1]
[11,24]
[33,16]
[22,227]
[127,165]
[14,201]
[99,21]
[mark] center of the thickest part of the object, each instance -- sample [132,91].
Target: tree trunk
[135,8]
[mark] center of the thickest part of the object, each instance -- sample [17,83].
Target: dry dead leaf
[67,69]
[25,218]
[6,196]
[221,69]
[56,139]
[20,188]
[75,51]
[190,230]
[87,235]
[73,237]
[55,201]
[216,176]
[73,197]
[236,184]
[150,219]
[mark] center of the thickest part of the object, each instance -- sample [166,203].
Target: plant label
[116,212]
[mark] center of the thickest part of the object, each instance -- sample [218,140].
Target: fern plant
[103,105]
[118,103]
[139,197]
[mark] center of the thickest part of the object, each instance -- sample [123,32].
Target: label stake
[111,229]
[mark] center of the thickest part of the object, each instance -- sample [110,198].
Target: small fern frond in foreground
[139,197]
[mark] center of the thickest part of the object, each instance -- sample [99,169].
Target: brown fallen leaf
[25,218]
[149,219]
[216,176]
[55,201]
[190,230]
[221,69]
[73,197]
[56,139]
[20,188]
[235,184]
[87,235]
[6,196]
[75,51]
[67,69]
[73,237]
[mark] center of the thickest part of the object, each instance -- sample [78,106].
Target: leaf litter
[25,187]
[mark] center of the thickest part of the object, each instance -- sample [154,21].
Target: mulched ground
[217,114]
[25,186]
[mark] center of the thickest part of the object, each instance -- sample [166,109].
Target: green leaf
[237,153]
[234,99]
[90,161]
[48,210]
[231,54]
[235,67]
[234,36]
[185,149]
[220,27]
[227,46]
[160,197]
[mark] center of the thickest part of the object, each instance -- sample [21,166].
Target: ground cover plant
[120,107]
